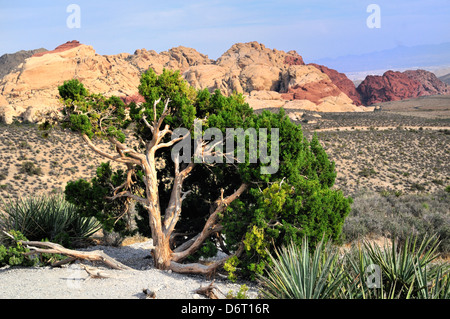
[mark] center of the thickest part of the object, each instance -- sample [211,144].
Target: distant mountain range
[445,78]
[402,57]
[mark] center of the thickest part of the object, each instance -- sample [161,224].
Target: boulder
[7,112]
[299,75]
[391,86]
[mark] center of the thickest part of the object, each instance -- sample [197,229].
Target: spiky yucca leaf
[297,273]
[399,264]
[47,217]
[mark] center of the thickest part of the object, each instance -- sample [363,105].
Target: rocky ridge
[10,61]
[395,86]
[263,75]
[266,77]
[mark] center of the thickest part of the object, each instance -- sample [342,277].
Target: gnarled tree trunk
[162,228]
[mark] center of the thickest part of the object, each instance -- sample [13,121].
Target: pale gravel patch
[70,282]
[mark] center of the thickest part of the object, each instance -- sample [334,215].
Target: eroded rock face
[431,85]
[179,58]
[6,111]
[342,82]
[312,91]
[63,47]
[33,85]
[395,86]
[244,68]
[9,62]
[391,86]
[36,82]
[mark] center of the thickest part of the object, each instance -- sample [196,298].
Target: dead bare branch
[53,248]
[208,291]
[211,225]
[118,159]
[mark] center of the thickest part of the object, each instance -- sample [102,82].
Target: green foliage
[168,85]
[13,252]
[207,250]
[241,294]
[407,271]
[47,217]
[89,199]
[399,265]
[80,122]
[230,267]
[72,89]
[90,114]
[298,273]
[295,201]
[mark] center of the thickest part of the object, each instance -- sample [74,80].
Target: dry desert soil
[404,147]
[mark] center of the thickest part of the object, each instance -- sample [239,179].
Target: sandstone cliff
[267,77]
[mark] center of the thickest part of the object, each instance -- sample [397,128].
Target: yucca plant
[356,263]
[436,287]
[299,273]
[402,265]
[47,217]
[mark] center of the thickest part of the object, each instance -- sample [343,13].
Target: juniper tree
[242,205]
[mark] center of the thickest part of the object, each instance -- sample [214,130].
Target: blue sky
[314,28]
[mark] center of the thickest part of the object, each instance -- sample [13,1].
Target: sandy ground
[73,282]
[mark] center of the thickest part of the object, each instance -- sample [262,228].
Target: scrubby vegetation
[399,216]
[247,209]
[398,179]
[406,271]
[47,217]
[12,252]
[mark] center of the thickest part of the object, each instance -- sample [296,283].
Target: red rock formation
[63,47]
[431,85]
[136,98]
[312,91]
[293,58]
[341,81]
[391,86]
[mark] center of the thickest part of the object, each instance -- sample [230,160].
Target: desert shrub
[398,217]
[30,168]
[367,172]
[12,251]
[47,217]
